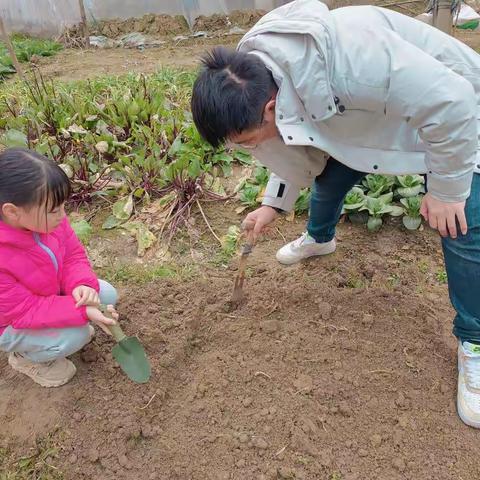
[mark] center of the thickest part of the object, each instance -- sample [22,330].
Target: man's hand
[84,295]
[98,318]
[257,220]
[443,215]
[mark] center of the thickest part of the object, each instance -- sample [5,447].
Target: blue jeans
[462,255]
[47,344]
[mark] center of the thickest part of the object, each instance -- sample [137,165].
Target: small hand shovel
[130,355]
[237,294]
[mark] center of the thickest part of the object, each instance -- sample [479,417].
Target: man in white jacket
[326,97]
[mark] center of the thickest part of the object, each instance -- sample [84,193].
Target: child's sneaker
[49,374]
[304,247]
[468,396]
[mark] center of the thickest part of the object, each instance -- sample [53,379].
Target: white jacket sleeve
[443,107]
[280,193]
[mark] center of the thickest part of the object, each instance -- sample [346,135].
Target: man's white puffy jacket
[376,90]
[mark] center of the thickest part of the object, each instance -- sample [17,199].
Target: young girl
[48,291]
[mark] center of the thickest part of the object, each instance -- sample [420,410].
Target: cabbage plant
[409,185]
[412,219]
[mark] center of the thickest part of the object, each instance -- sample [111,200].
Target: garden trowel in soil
[237,294]
[130,355]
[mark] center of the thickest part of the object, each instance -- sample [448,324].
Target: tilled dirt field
[338,368]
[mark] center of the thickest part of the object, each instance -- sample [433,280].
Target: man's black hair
[230,94]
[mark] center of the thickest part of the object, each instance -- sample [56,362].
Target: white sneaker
[49,374]
[468,396]
[304,247]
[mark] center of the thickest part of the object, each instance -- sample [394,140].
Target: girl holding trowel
[48,291]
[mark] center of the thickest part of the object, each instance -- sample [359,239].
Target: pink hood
[33,294]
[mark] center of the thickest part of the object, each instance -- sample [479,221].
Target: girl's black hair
[28,179]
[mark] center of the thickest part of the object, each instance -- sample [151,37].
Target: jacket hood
[310,26]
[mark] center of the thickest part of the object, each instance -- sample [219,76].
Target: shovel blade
[237,296]
[131,357]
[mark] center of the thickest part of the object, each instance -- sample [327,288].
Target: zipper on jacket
[46,249]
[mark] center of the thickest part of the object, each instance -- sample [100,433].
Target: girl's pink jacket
[33,294]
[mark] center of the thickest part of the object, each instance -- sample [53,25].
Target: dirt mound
[238,18]
[151,24]
[155,25]
[162,25]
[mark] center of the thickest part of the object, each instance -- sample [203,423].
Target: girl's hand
[98,318]
[84,295]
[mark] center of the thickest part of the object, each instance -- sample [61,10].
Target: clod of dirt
[338,376]
[444,388]
[403,421]
[362,453]
[375,440]
[124,462]
[260,443]
[230,306]
[303,383]
[247,402]
[270,326]
[222,476]
[271,474]
[93,455]
[303,443]
[148,432]
[397,438]
[72,458]
[368,320]
[77,416]
[308,425]
[399,464]
[345,409]
[401,401]
[324,310]
[285,473]
[90,354]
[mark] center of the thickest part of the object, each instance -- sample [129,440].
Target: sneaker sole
[461,412]
[39,381]
[465,419]
[292,262]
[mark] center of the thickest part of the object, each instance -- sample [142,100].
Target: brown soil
[79,64]
[340,366]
